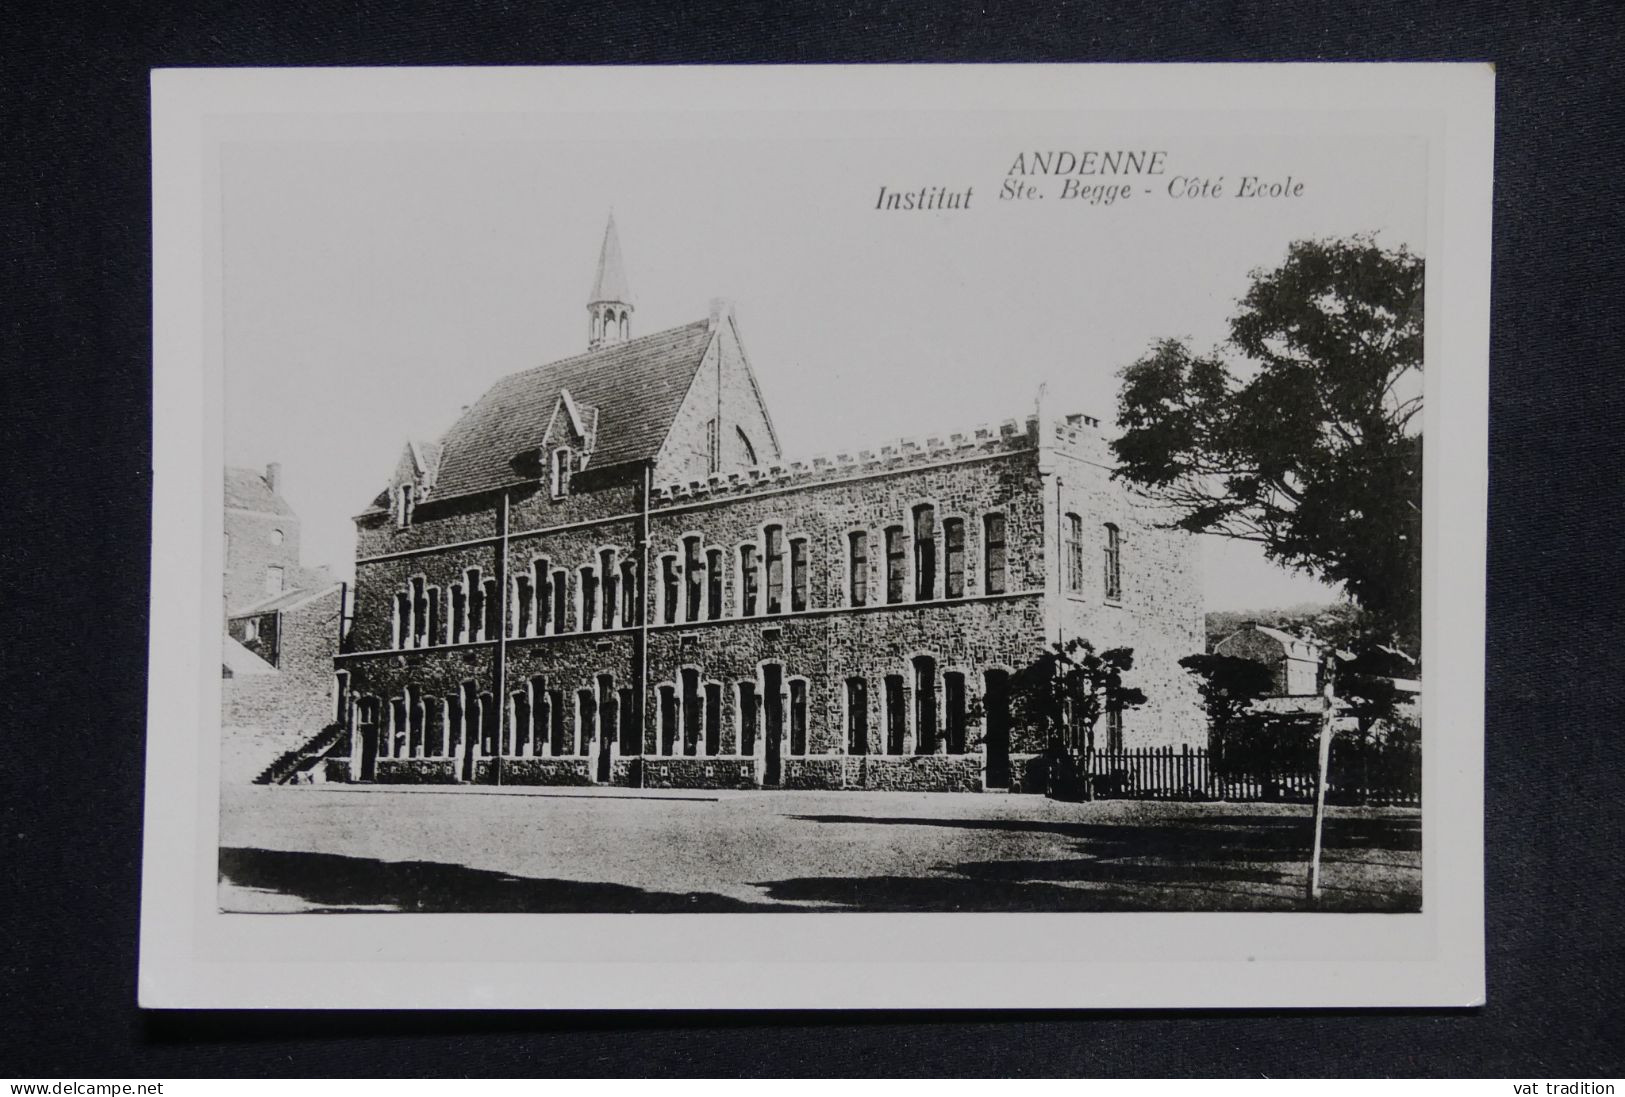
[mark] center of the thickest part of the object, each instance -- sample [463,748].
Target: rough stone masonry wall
[300,695]
[833,640]
[1159,613]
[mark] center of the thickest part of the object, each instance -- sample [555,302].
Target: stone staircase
[303,762]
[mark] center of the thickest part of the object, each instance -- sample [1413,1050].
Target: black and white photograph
[631,507]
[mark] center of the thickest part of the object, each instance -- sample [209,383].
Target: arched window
[668,719]
[925,553]
[1114,564]
[857,716]
[925,705]
[745,444]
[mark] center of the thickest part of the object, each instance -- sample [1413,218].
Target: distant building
[1294,661]
[606,572]
[261,549]
[282,619]
[1297,665]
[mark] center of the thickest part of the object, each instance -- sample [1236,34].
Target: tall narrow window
[668,589]
[488,723]
[1114,730]
[798,575]
[630,605]
[586,720]
[713,718]
[896,714]
[953,541]
[606,572]
[745,445]
[955,713]
[561,601]
[896,565]
[403,619]
[609,714]
[691,711]
[493,609]
[437,632]
[750,580]
[713,446]
[538,586]
[415,714]
[798,716]
[1074,553]
[519,708]
[993,563]
[562,462]
[1114,564]
[747,718]
[454,725]
[588,585]
[420,613]
[476,605]
[556,727]
[858,567]
[693,578]
[713,584]
[668,720]
[630,738]
[274,579]
[459,614]
[775,569]
[523,602]
[925,553]
[857,716]
[925,705]
[403,506]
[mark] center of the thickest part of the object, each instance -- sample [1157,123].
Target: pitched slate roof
[288,599]
[637,387]
[237,661]
[246,489]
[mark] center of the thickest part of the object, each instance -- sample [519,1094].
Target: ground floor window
[954,704]
[798,716]
[857,716]
[896,714]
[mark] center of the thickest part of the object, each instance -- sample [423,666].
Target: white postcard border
[194,956]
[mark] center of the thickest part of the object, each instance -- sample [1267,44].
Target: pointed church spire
[609,305]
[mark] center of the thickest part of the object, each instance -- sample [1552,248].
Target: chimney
[273,475]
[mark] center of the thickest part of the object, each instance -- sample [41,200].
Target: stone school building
[606,572]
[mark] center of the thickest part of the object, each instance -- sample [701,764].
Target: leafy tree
[1064,692]
[1229,685]
[1302,432]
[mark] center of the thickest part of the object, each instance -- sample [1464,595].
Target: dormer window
[403,505]
[563,464]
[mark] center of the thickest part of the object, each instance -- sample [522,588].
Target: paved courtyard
[379,848]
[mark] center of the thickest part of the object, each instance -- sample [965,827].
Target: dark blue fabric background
[74,525]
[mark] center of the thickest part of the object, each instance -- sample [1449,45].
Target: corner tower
[609,305]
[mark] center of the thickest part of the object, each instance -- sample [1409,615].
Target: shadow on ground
[335,883]
[1191,863]
[1254,862]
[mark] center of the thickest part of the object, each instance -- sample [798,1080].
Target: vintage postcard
[840,537]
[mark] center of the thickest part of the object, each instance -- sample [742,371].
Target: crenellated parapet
[1009,436]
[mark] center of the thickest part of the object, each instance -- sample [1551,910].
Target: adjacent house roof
[288,599]
[236,661]
[246,489]
[636,387]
